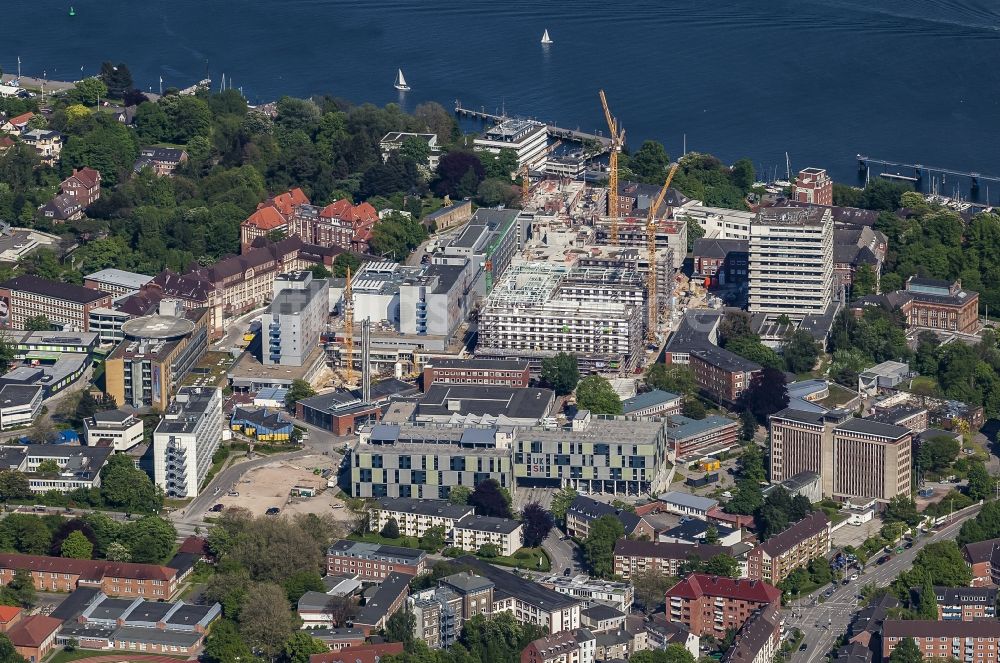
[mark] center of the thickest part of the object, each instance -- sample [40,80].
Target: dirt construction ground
[269,486]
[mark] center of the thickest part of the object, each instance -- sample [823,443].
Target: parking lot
[270,486]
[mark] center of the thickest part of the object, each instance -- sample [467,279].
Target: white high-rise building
[293,324]
[791,261]
[185,440]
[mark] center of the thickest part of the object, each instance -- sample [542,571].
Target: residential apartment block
[854,457]
[415,516]
[473,532]
[710,605]
[185,440]
[584,510]
[791,261]
[372,562]
[968,642]
[576,646]
[64,305]
[965,603]
[632,557]
[441,612]
[983,557]
[774,559]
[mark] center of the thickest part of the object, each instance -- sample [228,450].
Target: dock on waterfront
[554,131]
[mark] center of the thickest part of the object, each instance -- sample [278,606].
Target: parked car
[567,571]
[217,508]
[804,646]
[883,559]
[273,511]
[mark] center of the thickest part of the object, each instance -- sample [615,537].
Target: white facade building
[185,439]
[473,532]
[791,261]
[19,405]
[526,137]
[415,516]
[292,326]
[107,324]
[115,428]
[719,223]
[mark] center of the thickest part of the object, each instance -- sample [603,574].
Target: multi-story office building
[791,261]
[527,138]
[116,282]
[372,562]
[529,314]
[473,532]
[483,372]
[157,353]
[934,304]
[796,546]
[854,457]
[968,642]
[633,557]
[592,591]
[185,439]
[64,305]
[711,605]
[489,240]
[612,455]
[117,429]
[296,318]
[813,186]
[691,439]
[415,516]
[441,612]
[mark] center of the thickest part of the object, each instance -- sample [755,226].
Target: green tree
[302,582]
[433,539]
[675,378]
[650,162]
[800,352]
[693,408]
[300,646]
[599,546]
[561,501]
[77,546]
[89,91]
[109,148]
[117,78]
[118,552]
[722,565]
[980,483]
[37,323]
[494,191]
[415,150]
[343,262]
[125,487]
[225,645]
[927,607]
[538,522]
[561,373]
[711,535]
[396,236]
[596,394]
[150,539]
[488,551]
[265,620]
[743,175]
[48,466]
[459,495]
[391,529]
[399,627]
[14,485]
[766,394]
[490,499]
[500,166]
[943,563]
[865,281]
[23,588]
[299,390]
[901,509]
[7,652]
[750,347]
[674,653]
[748,426]
[650,588]
[906,652]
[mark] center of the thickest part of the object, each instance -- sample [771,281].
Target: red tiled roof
[266,218]
[342,209]
[194,544]
[6,141]
[359,654]
[23,118]
[8,613]
[85,568]
[88,177]
[797,532]
[286,203]
[33,631]
[697,585]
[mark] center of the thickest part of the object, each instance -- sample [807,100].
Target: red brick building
[722,260]
[969,642]
[813,186]
[84,185]
[35,636]
[633,556]
[271,215]
[984,559]
[372,562]
[359,653]
[721,375]
[63,304]
[9,616]
[339,224]
[937,304]
[786,551]
[62,574]
[489,372]
[709,605]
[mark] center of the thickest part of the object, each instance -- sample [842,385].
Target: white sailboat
[400,81]
[545,37]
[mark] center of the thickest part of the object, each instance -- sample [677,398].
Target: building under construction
[535,311]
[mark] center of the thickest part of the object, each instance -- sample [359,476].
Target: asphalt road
[561,553]
[823,623]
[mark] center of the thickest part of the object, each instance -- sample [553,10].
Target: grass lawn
[375,537]
[78,654]
[525,558]
[924,384]
[838,396]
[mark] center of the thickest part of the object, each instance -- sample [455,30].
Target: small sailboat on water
[545,37]
[72,12]
[400,81]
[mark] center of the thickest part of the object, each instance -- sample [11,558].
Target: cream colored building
[415,516]
[473,532]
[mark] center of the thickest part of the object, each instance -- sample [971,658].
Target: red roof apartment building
[62,574]
[633,556]
[786,551]
[271,215]
[359,653]
[340,224]
[709,605]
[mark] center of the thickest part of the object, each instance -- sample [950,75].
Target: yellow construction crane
[617,141]
[653,303]
[349,327]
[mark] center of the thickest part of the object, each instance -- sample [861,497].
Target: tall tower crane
[349,327]
[653,305]
[617,141]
